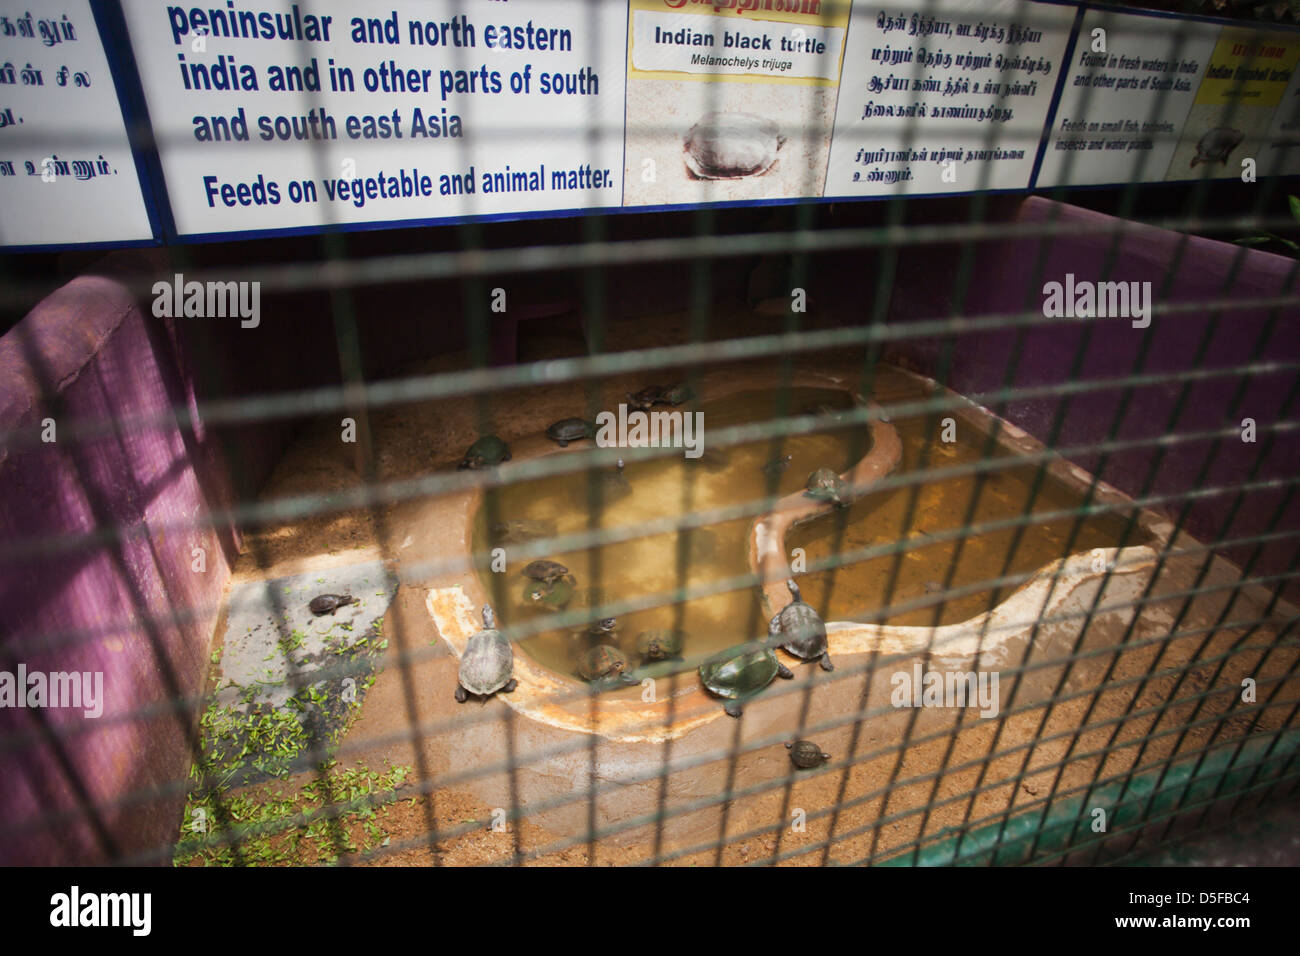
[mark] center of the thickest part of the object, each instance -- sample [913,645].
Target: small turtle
[740,673]
[660,645]
[799,629]
[545,571]
[731,146]
[825,485]
[486,452]
[678,394]
[599,627]
[554,596]
[1216,145]
[805,754]
[933,587]
[604,663]
[777,466]
[642,400]
[329,603]
[521,531]
[570,429]
[488,664]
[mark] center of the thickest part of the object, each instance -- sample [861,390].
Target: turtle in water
[678,394]
[777,466]
[329,603]
[484,453]
[604,663]
[642,400]
[731,146]
[663,645]
[545,570]
[521,531]
[570,429]
[1216,145]
[805,754]
[799,629]
[740,673]
[825,485]
[599,627]
[488,664]
[553,596]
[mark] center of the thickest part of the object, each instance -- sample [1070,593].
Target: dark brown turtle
[521,531]
[329,603]
[484,453]
[825,485]
[805,754]
[662,645]
[488,664]
[678,394]
[799,629]
[604,663]
[545,571]
[646,397]
[570,429]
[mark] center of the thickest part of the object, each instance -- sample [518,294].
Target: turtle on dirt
[570,429]
[805,754]
[777,466]
[521,531]
[545,570]
[604,663]
[661,645]
[731,146]
[484,453]
[678,394]
[799,629]
[554,596]
[488,664]
[1216,145]
[740,673]
[642,400]
[329,603]
[825,485]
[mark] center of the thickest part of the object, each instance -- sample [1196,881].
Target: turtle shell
[487,451]
[602,661]
[553,596]
[731,146]
[487,664]
[329,603]
[825,485]
[569,429]
[1216,144]
[650,395]
[806,754]
[544,570]
[678,394]
[660,645]
[799,629]
[740,671]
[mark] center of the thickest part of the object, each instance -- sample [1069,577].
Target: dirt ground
[879,791]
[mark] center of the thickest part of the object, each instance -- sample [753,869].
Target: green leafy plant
[1265,238]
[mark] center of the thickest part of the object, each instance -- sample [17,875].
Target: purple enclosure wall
[1008,277]
[102,787]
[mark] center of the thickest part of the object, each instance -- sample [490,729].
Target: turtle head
[621,465]
[794,588]
[489,618]
[606,625]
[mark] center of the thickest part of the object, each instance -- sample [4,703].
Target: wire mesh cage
[745,528]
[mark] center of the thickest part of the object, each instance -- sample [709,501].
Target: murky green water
[670,486]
